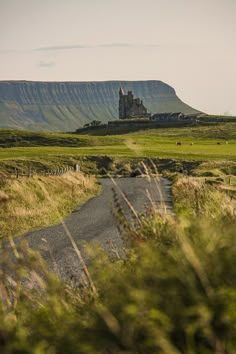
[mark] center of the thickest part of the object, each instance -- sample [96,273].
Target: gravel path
[94,221]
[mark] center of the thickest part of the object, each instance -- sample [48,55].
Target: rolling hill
[65,106]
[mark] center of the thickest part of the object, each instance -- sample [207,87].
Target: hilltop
[65,106]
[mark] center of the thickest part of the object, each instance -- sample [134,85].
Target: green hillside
[65,106]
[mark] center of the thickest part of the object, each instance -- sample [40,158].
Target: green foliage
[168,299]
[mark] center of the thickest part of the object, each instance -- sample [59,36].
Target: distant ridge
[65,106]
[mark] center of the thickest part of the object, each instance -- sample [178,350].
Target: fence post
[17,173]
[77,168]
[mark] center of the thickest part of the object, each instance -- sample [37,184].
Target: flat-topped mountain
[65,106]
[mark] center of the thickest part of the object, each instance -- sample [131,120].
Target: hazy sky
[189,44]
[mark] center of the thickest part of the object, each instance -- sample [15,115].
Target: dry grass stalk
[125,199]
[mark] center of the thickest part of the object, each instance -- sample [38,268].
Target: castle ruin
[130,107]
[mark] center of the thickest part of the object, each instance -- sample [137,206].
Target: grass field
[198,143]
[203,150]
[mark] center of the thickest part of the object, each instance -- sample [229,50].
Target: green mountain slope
[64,106]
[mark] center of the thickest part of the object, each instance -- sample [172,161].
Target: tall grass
[28,206]
[173,292]
[197,198]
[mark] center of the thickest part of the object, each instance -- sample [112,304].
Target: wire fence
[17,173]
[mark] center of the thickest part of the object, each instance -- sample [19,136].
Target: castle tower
[130,107]
[121,104]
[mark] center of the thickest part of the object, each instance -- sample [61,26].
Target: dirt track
[94,221]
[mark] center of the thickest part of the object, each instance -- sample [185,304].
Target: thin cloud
[46,64]
[92,46]
[117,45]
[62,47]
[88,46]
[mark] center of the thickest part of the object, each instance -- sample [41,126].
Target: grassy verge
[34,202]
[194,197]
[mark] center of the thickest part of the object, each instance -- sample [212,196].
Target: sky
[189,44]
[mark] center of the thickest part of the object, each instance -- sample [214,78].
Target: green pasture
[148,146]
[199,143]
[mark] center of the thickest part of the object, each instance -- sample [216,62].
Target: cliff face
[64,106]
